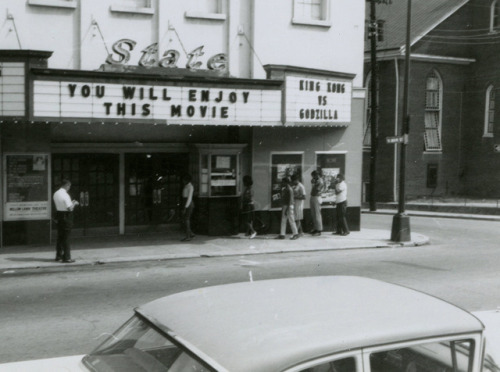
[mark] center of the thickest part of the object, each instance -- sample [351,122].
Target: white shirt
[62,200]
[341,192]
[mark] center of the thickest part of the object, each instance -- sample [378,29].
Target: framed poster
[26,187]
[283,164]
[331,164]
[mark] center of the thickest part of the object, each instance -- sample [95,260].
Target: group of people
[293,195]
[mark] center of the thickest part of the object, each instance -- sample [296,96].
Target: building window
[495,15]
[489,112]
[311,12]
[432,176]
[207,9]
[132,6]
[433,108]
[70,4]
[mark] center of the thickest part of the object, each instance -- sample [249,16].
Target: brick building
[454,123]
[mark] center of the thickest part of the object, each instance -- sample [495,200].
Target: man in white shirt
[64,217]
[341,202]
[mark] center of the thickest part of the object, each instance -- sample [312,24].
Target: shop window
[489,112]
[132,6]
[495,16]
[433,108]
[70,4]
[283,164]
[432,176]
[207,9]
[311,12]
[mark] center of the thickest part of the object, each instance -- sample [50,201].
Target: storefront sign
[318,100]
[26,187]
[123,47]
[173,104]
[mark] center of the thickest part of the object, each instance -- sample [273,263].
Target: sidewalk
[154,247]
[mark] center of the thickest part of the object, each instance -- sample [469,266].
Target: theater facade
[126,129]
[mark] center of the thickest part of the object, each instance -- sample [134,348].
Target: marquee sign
[163,103]
[318,101]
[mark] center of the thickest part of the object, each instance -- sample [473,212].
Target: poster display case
[283,164]
[26,187]
[331,164]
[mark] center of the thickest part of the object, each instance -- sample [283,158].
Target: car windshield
[137,346]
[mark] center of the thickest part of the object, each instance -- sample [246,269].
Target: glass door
[153,188]
[94,183]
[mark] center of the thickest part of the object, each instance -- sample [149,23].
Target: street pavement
[167,246]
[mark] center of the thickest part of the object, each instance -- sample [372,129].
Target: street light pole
[401,221]
[373,34]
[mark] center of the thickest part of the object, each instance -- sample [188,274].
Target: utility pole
[401,221]
[373,34]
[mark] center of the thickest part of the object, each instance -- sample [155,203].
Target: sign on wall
[26,187]
[173,104]
[318,101]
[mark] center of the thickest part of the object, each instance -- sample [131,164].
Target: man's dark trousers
[342,227]
[64,225]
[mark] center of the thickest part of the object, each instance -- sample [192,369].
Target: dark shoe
[192,235]
[313,232]
[316,233]
[336,233]
[58,259]
[186,239]
[68,261]
[280,237]
[345,234]
[294,237]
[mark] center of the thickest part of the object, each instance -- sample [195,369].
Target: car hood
[491,321]
[62,364]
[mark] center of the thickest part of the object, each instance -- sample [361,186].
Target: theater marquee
[318,101]
[158,103]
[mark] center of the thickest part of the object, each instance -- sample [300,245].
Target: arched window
[495,15]
[433,109]
[489,111]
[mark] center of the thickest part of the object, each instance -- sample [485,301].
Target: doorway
[95,185]
[153,189]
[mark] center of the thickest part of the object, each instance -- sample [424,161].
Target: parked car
[315,324]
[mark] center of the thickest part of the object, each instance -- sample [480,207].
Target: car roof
[270,325]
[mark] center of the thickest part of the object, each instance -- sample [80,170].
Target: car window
[137,346]
[341,365]
[449,356]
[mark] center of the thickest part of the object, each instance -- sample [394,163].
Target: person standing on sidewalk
[317,187]
[188,206]
[287,209]
[64,217]
[341,201]
[247,206]
[299,195]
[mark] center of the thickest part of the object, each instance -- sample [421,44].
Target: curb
[418,240]
[480,217]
